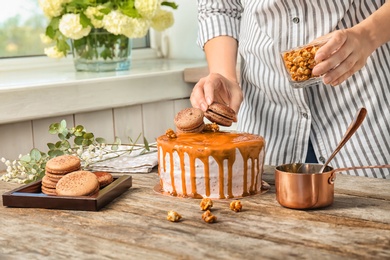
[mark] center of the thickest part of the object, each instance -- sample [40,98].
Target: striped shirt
[288,117]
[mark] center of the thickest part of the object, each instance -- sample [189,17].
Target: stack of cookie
[56,168]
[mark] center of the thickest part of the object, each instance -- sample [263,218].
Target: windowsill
[53,87]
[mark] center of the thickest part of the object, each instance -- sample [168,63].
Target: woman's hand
[217,88]
[345,53]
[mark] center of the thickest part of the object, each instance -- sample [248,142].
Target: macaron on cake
[220,114]
[189,120]
[55,169]
[78,183]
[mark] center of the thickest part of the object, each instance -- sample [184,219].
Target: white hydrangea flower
[94,11]
[71,27]
[162,20]
[138,29]
[52,8]
[3,160]
[130,27]
[52,52]
[146,8]
[114,22]
[119,24]
[45,39]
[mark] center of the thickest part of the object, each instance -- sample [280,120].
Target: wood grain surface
[134,226]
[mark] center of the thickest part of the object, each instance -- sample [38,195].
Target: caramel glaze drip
[221,146]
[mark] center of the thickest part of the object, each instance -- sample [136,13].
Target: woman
[302,124]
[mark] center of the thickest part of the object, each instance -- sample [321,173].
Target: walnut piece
[170,133]
[236,205]
[173,216]
[208,217]
[206,204]
[213,127]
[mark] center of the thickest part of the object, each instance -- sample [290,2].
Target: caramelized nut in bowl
[299,63]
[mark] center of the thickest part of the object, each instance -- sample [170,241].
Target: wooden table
[134,226]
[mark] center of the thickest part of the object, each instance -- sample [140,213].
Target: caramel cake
[211,164]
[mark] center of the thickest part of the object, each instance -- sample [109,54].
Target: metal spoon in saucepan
[359,118]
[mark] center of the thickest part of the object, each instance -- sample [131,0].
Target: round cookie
[48,183]
[189,120]
[63,164]
[48,191]
[54,177]
[78,183]
[220,114]
[104,178]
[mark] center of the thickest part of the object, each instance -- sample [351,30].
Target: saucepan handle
[362,167]
[332,178]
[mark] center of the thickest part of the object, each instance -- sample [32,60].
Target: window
[21,23]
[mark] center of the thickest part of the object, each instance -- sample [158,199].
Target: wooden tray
[31,196]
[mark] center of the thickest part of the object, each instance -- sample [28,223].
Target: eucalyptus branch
[76,141]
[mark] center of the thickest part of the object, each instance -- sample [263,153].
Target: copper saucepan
[300,186]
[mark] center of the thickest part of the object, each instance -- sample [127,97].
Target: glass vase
[102,51]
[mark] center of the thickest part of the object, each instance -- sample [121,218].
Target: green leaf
[58,144]
[63,124]
[104,11]
[51,146]
[79,128]
[170,4]
[55,153]
[106,54]
[35,154]
[86,142]
[52,29]
[50,32]
[88,136]
[146,143]
[66,145]
[61,136]
[25,158]
[128,9]
[84,21]
[53,128]
[136,140]
[114,147]
[100,140]
[79,140]
[63,46]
